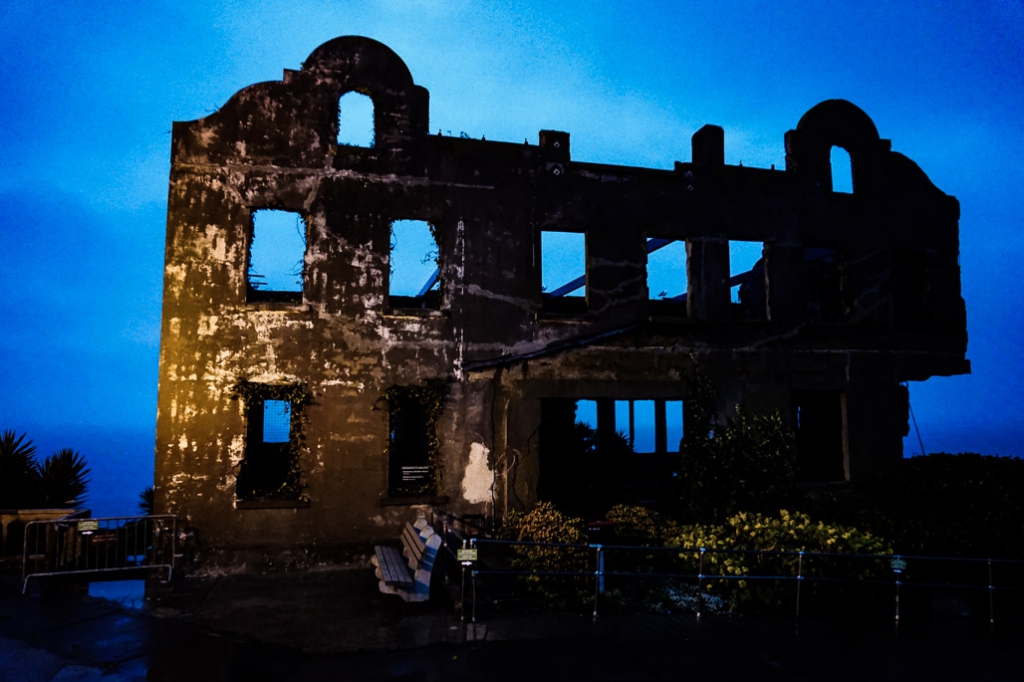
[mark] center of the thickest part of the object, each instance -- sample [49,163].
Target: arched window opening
[842,171]
[355,120]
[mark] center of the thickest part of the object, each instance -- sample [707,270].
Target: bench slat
[392,567]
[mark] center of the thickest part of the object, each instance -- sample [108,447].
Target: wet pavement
[335,625]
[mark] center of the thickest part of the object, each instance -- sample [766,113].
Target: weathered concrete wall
[273,146]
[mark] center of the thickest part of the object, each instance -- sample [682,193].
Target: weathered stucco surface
[494,339]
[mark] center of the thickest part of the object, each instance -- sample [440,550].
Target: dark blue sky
[90,90]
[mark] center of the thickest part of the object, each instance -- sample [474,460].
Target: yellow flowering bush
[544,523]
[788,532]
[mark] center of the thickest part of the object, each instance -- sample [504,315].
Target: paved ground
[334,625]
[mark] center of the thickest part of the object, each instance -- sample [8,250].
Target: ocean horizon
[120,461]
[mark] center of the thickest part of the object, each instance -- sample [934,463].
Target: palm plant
[18,471]
[62,479]
[146,501]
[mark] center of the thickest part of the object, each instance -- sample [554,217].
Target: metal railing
[99,546]
[701,567]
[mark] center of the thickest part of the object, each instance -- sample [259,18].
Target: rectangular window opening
[277,252]
[586,413]
[268,470]
[563,260]
[414,276]
[747,293]
[673,425]
[410,470]
[596,452]
[277,421]
[650,426]
[666,274]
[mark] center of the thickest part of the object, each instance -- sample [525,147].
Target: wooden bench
[407,573]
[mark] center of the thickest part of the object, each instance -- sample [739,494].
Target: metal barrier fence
[110,545]
[895,572]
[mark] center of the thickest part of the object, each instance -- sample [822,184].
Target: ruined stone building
[314,400]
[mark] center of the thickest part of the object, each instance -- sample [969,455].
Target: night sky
[90,90]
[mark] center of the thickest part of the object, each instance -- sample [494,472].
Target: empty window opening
[277,250]
[414,275]
[820,421]
[588,449]
[277,421]
[564,271]
[666,270]
[410,470]
[586,413]
[268,469]
[673,425]
[747,291]
[842,171]
[650,425]
[823,278]
[355,120]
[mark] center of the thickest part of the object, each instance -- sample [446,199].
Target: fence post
[799,579]
[700,583]
[472,577]
[462,591]
[897,573]
[991,590]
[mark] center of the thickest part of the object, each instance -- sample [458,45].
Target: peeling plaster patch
[219,248]
[358,385]
[207,137]
[479,477]
[175,273]
[274,378]
[207,325]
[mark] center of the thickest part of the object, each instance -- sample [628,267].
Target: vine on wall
[428,396]
[299,397]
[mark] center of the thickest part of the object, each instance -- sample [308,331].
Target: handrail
[794,573]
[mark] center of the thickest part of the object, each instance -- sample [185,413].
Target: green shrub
[965,505]
[747,463]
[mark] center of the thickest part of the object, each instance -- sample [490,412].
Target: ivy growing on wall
[253,394]
[427,400]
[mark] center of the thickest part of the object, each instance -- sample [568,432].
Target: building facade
[309,395]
